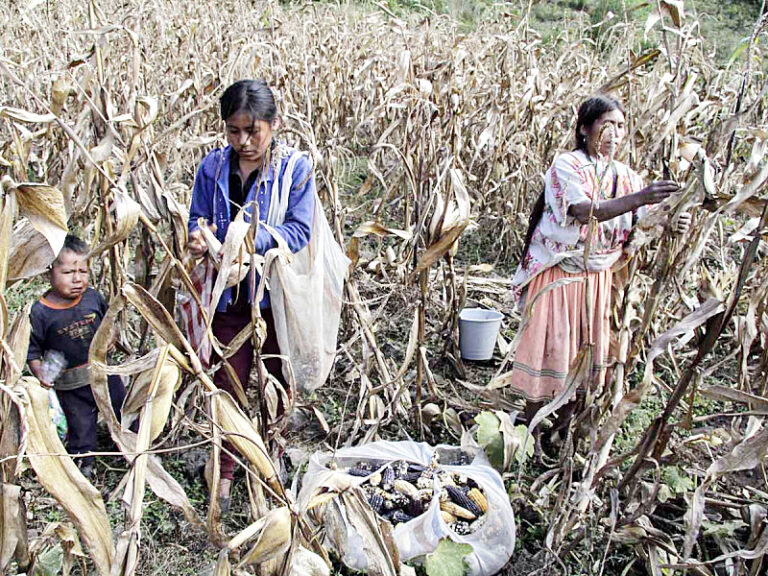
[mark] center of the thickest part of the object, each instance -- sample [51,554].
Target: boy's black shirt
[69,330]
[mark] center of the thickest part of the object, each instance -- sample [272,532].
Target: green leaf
[678,481]
[723,529]
[523,452]
[489,436]
[487,428]
[49,562]
[740,48]
[448,559]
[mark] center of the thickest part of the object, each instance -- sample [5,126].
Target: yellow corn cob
[478,498]
[447,517]
[241,431]
[456,510]
[405,487]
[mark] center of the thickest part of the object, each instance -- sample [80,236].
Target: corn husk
[62,479]
[242,433]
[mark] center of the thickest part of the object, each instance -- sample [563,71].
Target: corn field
[429,144]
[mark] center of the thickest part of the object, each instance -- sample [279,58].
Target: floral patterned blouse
[559,238]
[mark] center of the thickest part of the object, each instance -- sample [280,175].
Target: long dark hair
[589,112]
[251,96]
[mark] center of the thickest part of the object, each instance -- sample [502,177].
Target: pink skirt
[558,329]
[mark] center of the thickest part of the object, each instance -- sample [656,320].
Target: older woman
[560,323]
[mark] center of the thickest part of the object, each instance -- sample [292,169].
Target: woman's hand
[196,244]
[683,224]
[658,191]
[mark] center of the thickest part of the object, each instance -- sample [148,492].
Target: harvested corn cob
[405,487]
[457,510]
[479,499]
[463,500]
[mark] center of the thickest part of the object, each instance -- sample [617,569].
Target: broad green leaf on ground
[448,559]
[525,446]
[723,529]
[677,480]
[490,438]
[518,442]
[49,563]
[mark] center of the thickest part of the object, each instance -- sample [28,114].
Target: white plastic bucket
[478,330]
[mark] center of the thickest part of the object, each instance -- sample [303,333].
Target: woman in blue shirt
[245,174]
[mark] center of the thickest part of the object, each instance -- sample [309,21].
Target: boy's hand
[36,367]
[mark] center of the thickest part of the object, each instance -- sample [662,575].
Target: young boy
[65,319]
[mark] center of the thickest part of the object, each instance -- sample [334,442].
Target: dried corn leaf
[126,560]
[62,479]
[125,211]
[179,216]
[675,9]
[579,373]
[633,398]
[18,343]
[378,542]
[20,115]
[410,351]
[222,564]
[148,202]
[274,537]
[168,384]
[380,230]
[745,456]
[450,230]
[306,563]
[44,206]
[13,527]
[13,433]
[694,518]
[637,62]
[717,392]
[161,483]
[233,265]
[147,110]
[63,535]
[156,315]
[60,91]
[8,203]
[30,252]
[752,186]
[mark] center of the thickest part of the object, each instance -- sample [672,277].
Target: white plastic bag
[492,543]
[306,293]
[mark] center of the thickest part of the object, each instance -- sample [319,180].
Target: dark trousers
[80,409]
[226,325]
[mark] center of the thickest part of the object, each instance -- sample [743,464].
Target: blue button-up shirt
[210,200]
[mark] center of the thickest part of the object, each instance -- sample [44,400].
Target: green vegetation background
[725,24]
